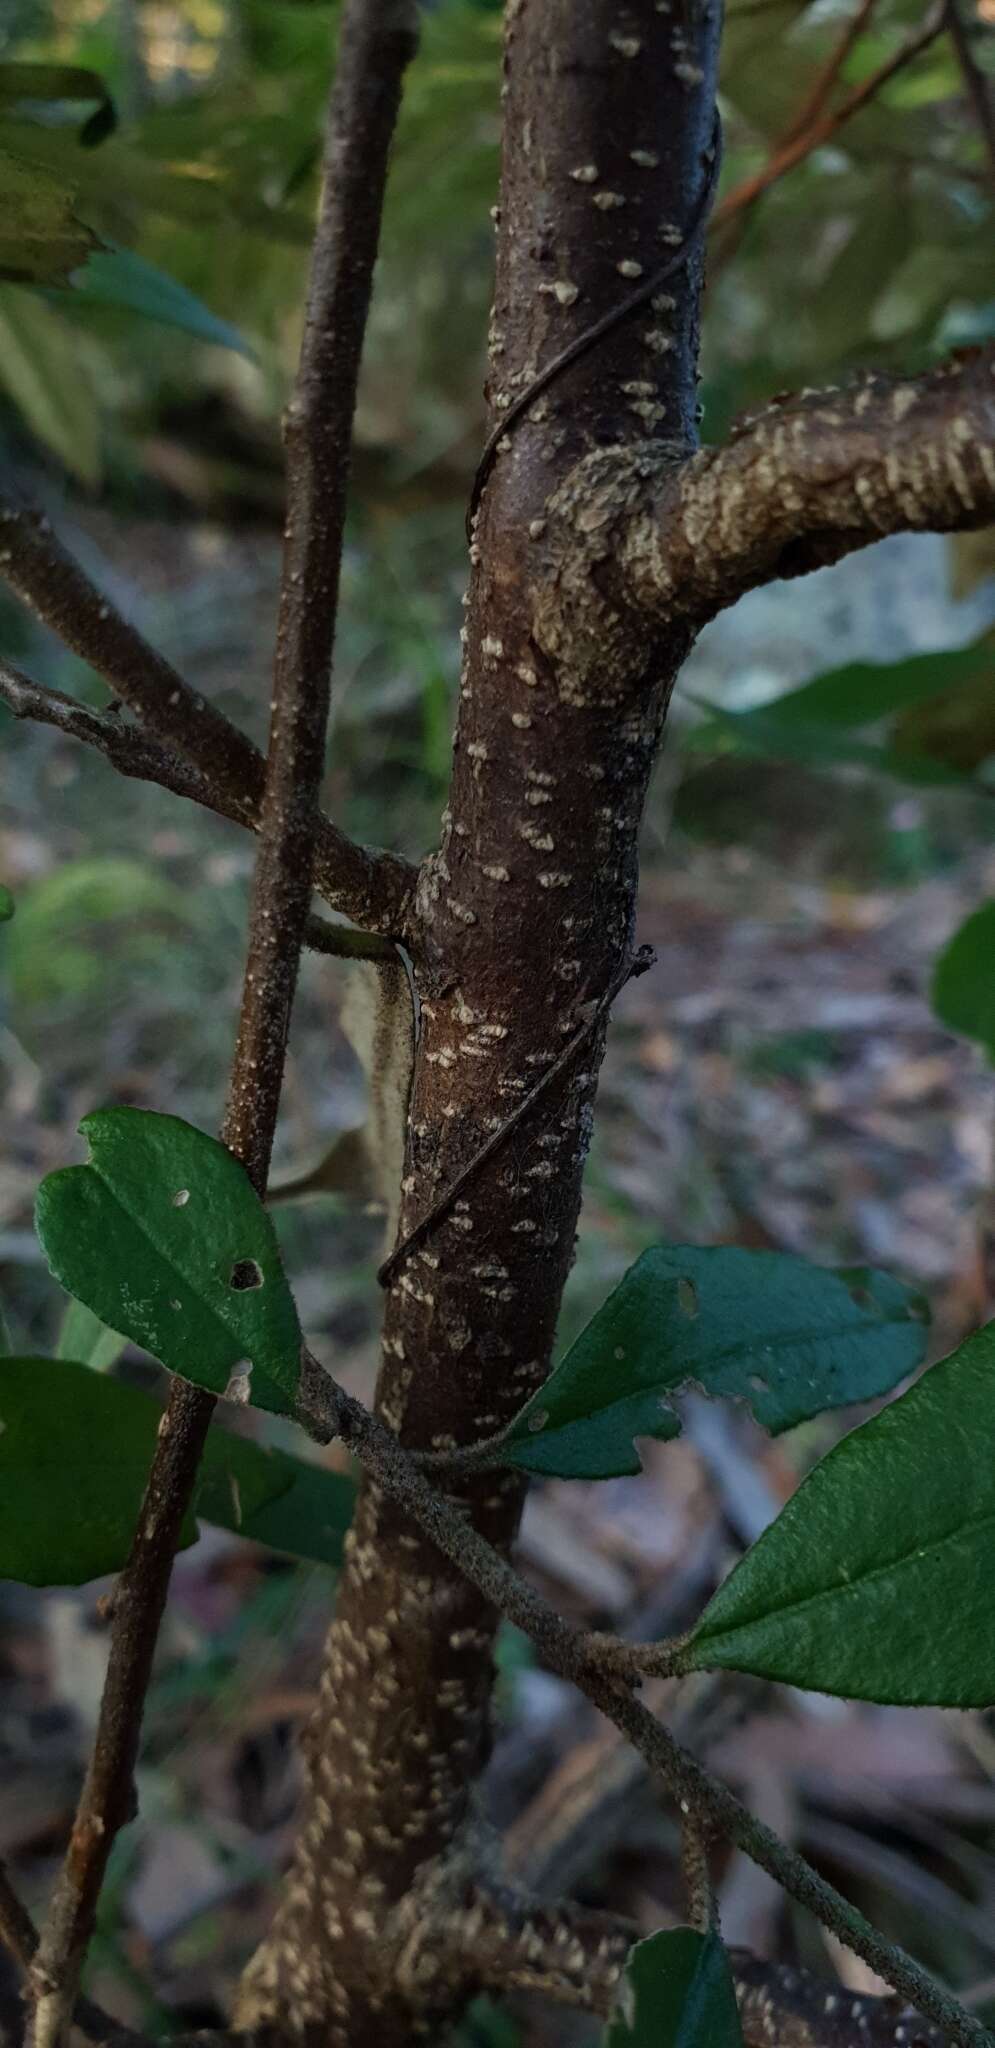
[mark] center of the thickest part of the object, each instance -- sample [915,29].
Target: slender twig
[699,1891]
[807,114]
[333,1412]
[631,968]
[17,1929]
[129,750]
[827,77]
[19,1937]
[189,745]
[376,44]
[792,152]
[976,84]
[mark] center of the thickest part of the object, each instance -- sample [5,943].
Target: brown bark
[601,542]
[523,917]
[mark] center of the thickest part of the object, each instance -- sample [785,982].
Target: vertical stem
[377,41]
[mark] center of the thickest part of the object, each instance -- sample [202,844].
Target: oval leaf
[163,1236]
[875,1581]
[964,979]
[677,1992]
[68,1434]
[788,1338]
[117,277]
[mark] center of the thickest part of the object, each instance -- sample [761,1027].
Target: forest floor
[778,1081]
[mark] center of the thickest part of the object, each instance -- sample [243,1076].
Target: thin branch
[976,84]
[806,117]
[17,1929]
[808,480]
[129,751]
[798,145]
[190,746]
[327,1410]
[827,78]
[376,44]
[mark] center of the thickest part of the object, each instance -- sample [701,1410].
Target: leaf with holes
[163,1236]
[69,1434]
[677,1992]
[875,1581]
[788,1338]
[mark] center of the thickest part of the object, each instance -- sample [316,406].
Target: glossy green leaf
[163,1236]
[677,1992]
[117,277]
[42,238]
[875,1581]
[83,1337]
[72,1438]
[789,1338]
[963,989]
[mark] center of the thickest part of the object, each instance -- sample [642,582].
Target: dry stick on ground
[799,145]
[976,84]
[377,42]
[183,741]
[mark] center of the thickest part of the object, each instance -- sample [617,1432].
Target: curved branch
[189,746]
[808,480]
[575,1956]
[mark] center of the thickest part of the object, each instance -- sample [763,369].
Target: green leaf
[875,1581]
[963,989]
[163,1236]
[814,724]
[83,1337]
[68,1434]
[57,949]
[677,1992]
[41,238]
[41,370]
[7,905]
[117,277]
[788,1338]
[49,84]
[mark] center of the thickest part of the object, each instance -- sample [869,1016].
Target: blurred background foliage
[878,243]
[809,855]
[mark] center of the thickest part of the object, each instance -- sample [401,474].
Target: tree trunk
[522,919]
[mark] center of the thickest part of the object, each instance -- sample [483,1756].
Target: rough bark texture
[523,917]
